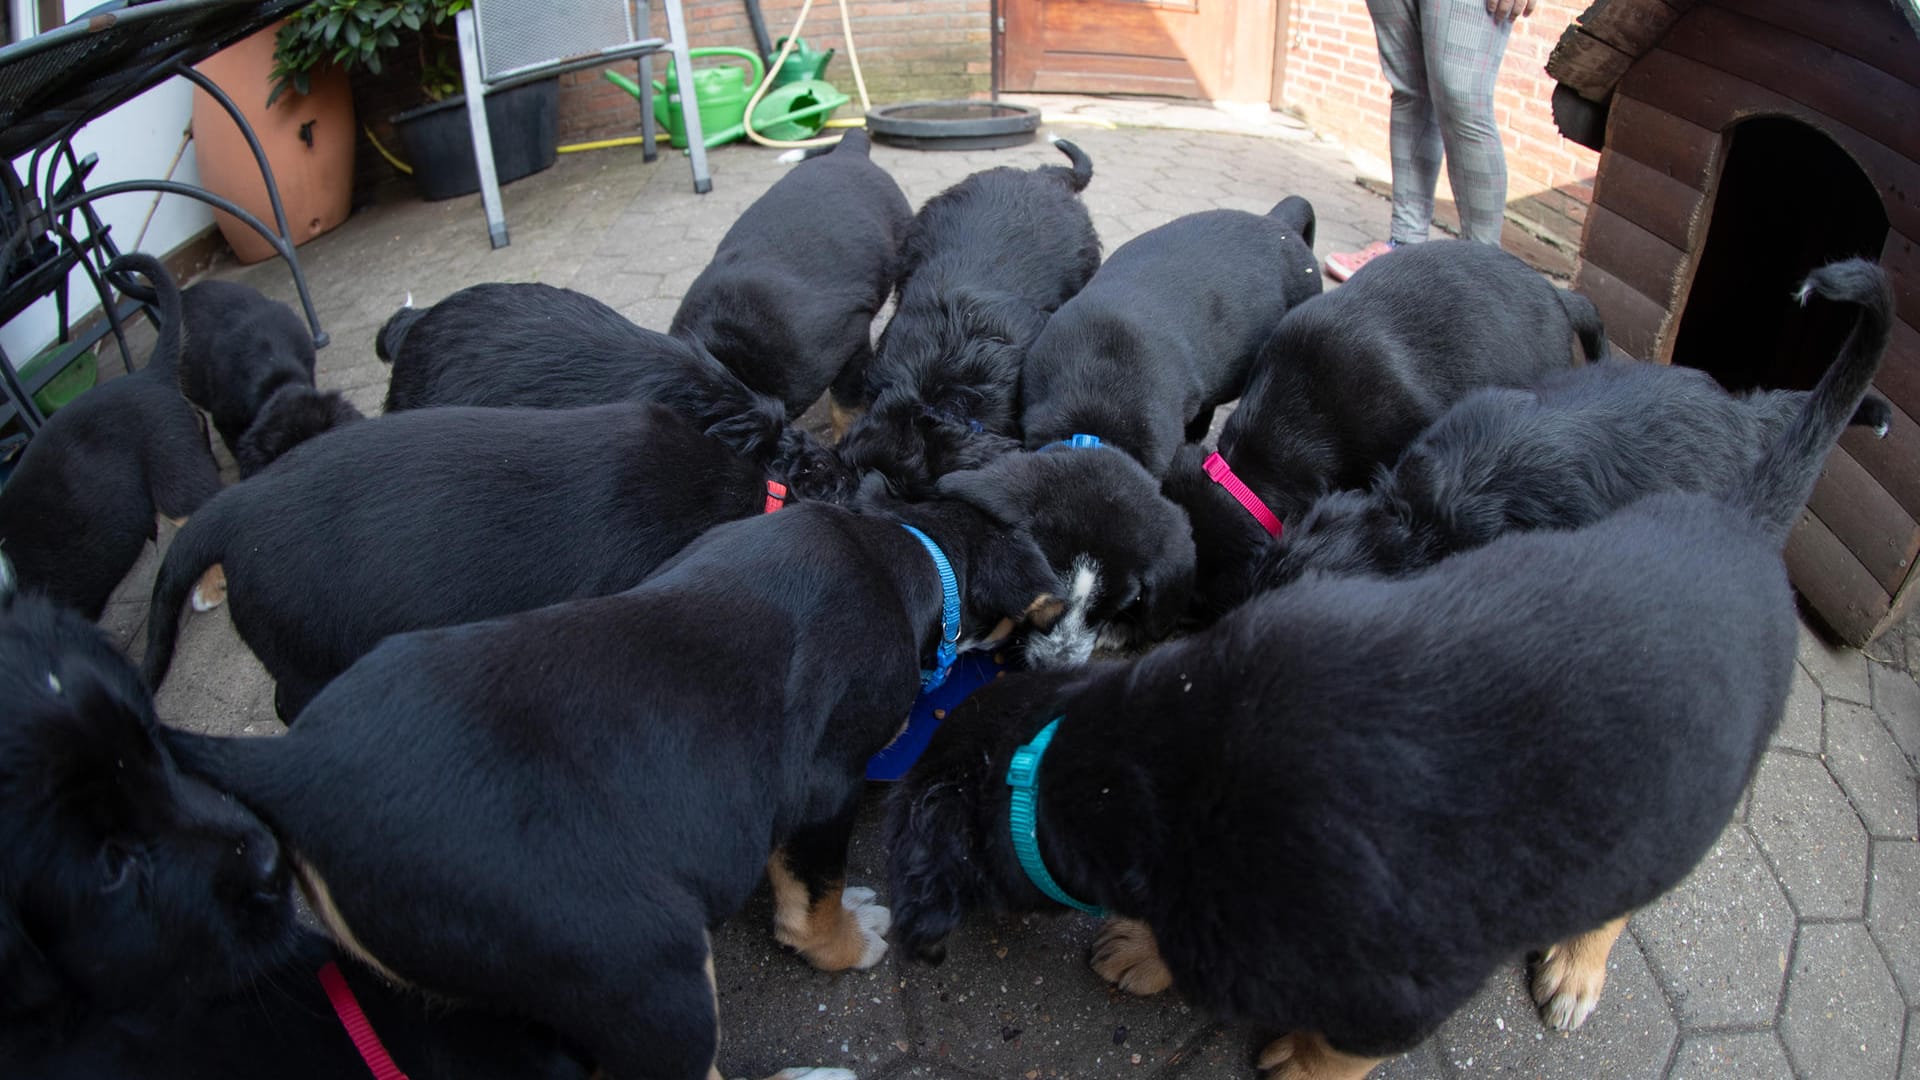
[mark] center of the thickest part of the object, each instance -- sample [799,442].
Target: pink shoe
[1342,265]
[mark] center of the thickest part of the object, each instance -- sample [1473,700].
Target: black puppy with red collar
[146,922]
[587,787]
[434,517]
[1351,377]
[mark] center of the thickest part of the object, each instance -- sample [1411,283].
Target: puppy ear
[931,876]
[987,492]
[28,985]
[8,583]
[1167,584]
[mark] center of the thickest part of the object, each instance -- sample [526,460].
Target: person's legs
[1415,129]
[1463,46]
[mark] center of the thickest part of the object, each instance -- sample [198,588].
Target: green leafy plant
[355,34]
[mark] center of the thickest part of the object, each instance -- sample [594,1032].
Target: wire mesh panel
[520,34]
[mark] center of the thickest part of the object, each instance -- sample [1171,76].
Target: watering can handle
[759,65]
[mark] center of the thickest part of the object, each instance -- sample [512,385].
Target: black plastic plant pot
[523,122]
[953,125]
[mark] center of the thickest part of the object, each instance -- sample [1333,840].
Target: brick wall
[909,49]
[1333,79]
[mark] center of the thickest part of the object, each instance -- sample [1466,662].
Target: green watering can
[795,111]
[803,63]
[722,91]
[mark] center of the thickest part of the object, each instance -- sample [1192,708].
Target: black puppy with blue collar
[588,787]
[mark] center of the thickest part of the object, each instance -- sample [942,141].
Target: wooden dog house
[1743,143]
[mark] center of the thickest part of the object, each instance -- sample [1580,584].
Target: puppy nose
[265,865]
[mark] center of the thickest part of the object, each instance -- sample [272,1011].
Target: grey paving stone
[1871,770]
[1811,835]
[1719,942]
[1015,998]
[1843,1016]
[1893,910]
[1896,698]
[1840,671]
[1752,1056]
[1800,728]
[1498,1033]
[1910,1058]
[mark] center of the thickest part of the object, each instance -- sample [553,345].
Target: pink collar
[776,496]
[357,1025]
[1219,472]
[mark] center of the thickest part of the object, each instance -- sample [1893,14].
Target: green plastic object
[796,111]
[77,378]
[804,64]
[722,90]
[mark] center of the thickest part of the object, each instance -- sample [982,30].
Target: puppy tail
[294,414]
[250,769]
[1082,172]
[161,290]
[1875,413]
[1586,324]
[1296,213]
[1783,478]
[386,344]
[198,545]
[855,141]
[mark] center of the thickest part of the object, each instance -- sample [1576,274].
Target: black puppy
[1167,330]
[83,501]
[533,345]
[987,261]
[1349,378]
[247,359]
[788,301]
[422,519]
[1566,453]
[146,921]
[587,787]
[1339,810]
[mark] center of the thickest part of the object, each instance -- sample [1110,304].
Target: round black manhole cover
[953,125]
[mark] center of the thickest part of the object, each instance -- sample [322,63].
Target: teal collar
[1023,776]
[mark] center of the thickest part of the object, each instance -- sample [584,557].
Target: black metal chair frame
[46,202]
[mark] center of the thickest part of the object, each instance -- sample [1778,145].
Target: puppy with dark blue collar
[1167,330]
[545,812]
[84,500]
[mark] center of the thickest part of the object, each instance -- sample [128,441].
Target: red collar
[1220,473]
[358,1028]
[776,496]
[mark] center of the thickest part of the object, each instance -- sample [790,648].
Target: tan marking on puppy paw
[841,928]
[1126,955]
[1305,1055]
[211,590]
[1567,984]
[176,522]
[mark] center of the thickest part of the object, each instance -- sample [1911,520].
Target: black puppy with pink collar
[1349,378]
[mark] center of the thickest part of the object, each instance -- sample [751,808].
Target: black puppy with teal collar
[1337,811]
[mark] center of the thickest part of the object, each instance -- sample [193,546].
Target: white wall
[136,141]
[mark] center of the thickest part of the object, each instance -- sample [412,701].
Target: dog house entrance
[1789,199]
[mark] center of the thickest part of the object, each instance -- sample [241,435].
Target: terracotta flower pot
[308,139]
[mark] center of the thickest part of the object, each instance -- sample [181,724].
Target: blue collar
[1078,442]
[949,614]
[1023,776]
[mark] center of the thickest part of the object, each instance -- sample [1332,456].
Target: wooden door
[1220,50]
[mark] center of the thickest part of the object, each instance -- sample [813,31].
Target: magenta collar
[359,1029]
[1220,473]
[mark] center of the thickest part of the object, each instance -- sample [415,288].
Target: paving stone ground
[1791,951]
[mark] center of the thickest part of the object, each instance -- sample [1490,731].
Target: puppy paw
[1303,1055]
[211,589]
[1126,955]
[871,920]
[1568,981]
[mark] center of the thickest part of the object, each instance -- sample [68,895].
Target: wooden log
[1835,585]
[1865,29]
[1588,65]
[1650,199]
[1633,321]
[1663,142]
[1899,378]
[1632,26]
[1871,523]
[1891,461]
[1649,265]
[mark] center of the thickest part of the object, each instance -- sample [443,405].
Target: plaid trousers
[1441,57]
